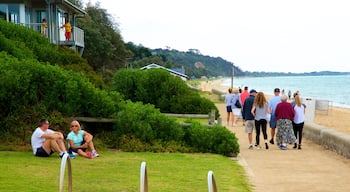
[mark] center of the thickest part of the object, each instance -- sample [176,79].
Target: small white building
[172,72]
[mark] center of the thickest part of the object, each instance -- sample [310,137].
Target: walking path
[311,169]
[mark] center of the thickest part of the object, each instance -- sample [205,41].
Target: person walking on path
[249,118]
[45,141]
[284,115]
[298,121]
[236,108]
[259,111]
[243,96]
[228,100]
[272,107]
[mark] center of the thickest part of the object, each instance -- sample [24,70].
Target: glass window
[13,13]
[3,11]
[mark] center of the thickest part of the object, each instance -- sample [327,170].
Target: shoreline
[337,117]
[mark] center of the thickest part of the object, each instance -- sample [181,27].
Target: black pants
[260,124]
[298,131]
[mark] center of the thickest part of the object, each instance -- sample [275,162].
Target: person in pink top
[243,96]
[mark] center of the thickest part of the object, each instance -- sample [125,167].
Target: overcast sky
[256,35]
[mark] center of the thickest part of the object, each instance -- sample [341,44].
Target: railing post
[211,182]
[212,117]
[62,171]
[143,178]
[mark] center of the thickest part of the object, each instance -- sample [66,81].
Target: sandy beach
[337,117]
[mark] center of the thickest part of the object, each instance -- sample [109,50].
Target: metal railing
[211,182]
[143,178]
[62,171]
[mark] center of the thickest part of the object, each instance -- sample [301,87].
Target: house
[172,72]
[32,13]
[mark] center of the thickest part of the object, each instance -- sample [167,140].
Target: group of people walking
[287,117]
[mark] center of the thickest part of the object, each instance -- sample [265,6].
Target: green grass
[120,171]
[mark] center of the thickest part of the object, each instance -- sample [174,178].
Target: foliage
[207,66]
[24,43]
[29,89]
[168,93]
[146,123]
[104,46]
[213,140]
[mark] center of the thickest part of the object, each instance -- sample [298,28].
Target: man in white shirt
[46,141]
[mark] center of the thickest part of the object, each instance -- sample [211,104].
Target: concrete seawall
[328,138]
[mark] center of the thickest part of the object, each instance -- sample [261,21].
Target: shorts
[40,152]
[68,35]
[273,122]
[236,111]
[249,126]
[229,108]
[71,150]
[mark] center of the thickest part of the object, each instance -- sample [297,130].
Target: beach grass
[120,171]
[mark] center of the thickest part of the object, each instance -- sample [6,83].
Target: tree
[104,47]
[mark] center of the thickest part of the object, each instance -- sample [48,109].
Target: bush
[30,90]
[214,140]
[146,123]
[168,93]
[24,43]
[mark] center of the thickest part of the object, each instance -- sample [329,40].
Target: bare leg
[61,145]
[51,145]
[250,138]
[82,153]
[228,118]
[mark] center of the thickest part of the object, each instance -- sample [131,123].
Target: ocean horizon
[334,88]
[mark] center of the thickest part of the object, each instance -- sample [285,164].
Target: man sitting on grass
[46,141]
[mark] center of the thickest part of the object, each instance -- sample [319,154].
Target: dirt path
[310,169]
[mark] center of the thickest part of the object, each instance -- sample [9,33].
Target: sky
[256,35]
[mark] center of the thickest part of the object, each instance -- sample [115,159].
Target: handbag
[238,104]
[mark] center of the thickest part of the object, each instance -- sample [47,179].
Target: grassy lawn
[120,171]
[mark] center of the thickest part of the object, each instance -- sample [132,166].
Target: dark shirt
[284,110]
[247,108]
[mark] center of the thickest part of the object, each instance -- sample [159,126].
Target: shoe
[89,155]
[272,142]
[258,147]
[95,154]
[295,146]
[299,147]
[61,156]
[71,156]
[250,147]
[283,147]
[266,146]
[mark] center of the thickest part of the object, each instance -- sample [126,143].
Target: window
[13,12]
[3,11]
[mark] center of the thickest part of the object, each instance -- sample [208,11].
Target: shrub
[216,139]
[27,86]
[146,123]
[156,86]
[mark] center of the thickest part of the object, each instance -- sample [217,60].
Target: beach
[337,118]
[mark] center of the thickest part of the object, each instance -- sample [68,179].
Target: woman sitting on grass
[80,140]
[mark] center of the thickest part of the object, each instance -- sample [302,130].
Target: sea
[334,88]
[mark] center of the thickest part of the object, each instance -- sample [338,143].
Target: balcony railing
[77,35]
